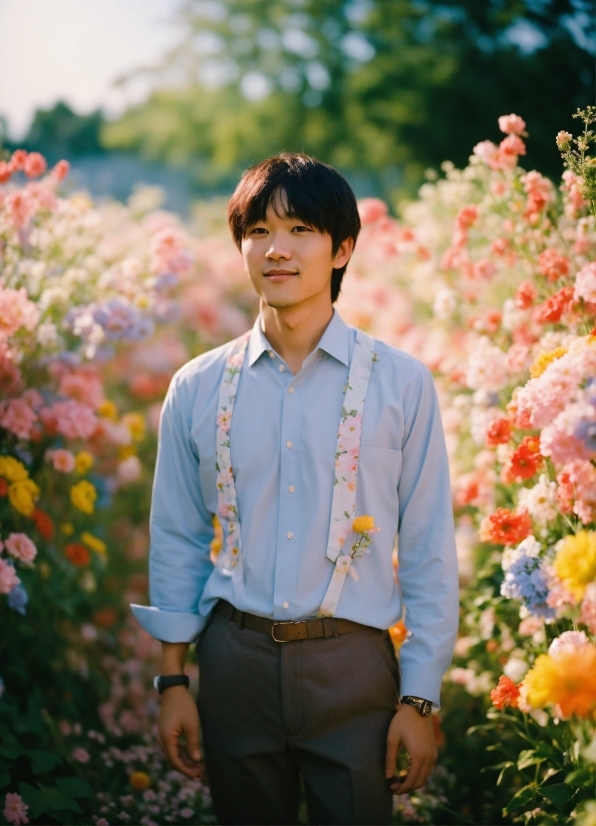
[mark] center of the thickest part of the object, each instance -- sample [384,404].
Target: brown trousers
[272,712]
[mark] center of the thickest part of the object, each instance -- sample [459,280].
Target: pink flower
[81,755]
[35,164]
[525,295]
[585,284]
[371,209]
[487,151]
[84,387]
[588,609]
[563,139]
[17,160]
[568,643]
[512,146]
[70,418]
[15,811]
[19,208]
[484,269]
[512,124]
[21,547]
[5,172]
[17,417]
[16,311]
[553,265]
[167,252]
[61,170]
[63,460]
[8,577]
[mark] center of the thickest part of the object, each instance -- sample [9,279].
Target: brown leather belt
[283,631]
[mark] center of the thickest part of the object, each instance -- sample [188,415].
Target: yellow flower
[139,781]
[575,562]
[567,680]
[22,495]
[94,543]
[126,451]
[544,359]
[12,469]
[136,424]
[67,528]
[108,410]
[363,524]
[83,461]
[83,496]
[44,569]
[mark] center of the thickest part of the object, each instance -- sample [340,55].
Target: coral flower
[77,554]
[44,524]
[505,527]
[575,562]
[512,124]
[555,306]
[524,463]
[139,781]
[505,694]
[567,680]
[35,164]
[498,432]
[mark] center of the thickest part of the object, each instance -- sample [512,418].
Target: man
[315,445]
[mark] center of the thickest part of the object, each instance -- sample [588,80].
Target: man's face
[289,262]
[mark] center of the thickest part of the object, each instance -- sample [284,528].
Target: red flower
[77,554]
[505,527]
[555,306]
[524,462]
[525,295]
[505,694]
[43,523]
[552,264]
[105,617]
[498,432]
[3,487]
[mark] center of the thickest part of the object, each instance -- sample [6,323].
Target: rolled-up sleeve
[181,529]
[426,546]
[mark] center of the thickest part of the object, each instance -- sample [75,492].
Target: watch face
[156,683]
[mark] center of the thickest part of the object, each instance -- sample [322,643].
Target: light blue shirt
[283,443]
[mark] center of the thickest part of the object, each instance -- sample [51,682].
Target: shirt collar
[335,341]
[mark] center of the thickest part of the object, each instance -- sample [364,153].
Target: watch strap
[162,682]
[422,706]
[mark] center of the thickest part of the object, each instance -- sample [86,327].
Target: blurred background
[187,93]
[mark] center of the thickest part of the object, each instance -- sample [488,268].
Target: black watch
[160,683]
[423,707]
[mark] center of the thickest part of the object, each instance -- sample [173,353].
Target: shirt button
[290,444]
[281,368]
[290,389]
[286,604]
[271,353]
[291,488]
[290,535]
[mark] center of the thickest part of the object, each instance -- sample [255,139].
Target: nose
[279,248]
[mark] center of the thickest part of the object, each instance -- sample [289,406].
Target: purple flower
[121,320]
[585,432]
[527,582]
[18,598]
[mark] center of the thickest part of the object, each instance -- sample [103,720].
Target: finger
[172,753]
[416,777]
[393,744]
[192,744]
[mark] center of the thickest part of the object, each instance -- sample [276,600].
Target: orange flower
[567,680]
[505,694]
[505,527]
[524,462]
[398,634]
[77,554]
[105,617]
[498,432]
[43,523]
[139,781]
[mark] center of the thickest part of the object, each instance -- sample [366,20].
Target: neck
[294,332]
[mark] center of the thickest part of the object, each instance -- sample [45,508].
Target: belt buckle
[281,622]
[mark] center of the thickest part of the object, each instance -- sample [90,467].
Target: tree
[380,88]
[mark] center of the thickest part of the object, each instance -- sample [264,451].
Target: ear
[343,254]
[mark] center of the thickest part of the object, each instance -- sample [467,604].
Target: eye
[257,231]
[301,228]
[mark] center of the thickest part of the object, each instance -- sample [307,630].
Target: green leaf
[4,779]
[43,761]
[557,793]
[74,786]
[521,798]
[12,750]
[579,778]
[46,800]
[509,764]
[529,757]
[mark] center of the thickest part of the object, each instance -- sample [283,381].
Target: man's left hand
[416,734]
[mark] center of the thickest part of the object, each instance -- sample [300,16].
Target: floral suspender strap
[227,503]
[343,506]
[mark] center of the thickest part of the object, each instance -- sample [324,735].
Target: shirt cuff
[169,626]
[427,686]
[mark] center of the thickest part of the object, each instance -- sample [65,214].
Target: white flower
[540,500]
[47,335]
[445,303]
[515,668]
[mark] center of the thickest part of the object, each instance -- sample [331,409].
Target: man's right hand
[179,717]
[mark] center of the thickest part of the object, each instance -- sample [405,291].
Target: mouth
[279,275]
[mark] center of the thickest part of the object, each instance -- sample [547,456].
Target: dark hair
[314,192]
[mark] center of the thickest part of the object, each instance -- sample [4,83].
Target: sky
[72,50]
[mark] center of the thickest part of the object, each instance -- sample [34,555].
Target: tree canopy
[380,88]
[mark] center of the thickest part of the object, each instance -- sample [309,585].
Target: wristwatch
[161,682]
[423,707]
